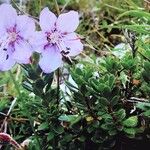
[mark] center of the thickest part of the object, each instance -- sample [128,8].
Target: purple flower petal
[6,62]
[22,52]
[68,22]
[51,60]
[39,41]
[74,47]
[73,44]
[71,36]
[25,26]
[47,19]
[7,16]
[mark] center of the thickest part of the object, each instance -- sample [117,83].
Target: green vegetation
[105,104]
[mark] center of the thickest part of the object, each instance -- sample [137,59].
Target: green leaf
[67,138]
[106,78]
[121,114]
[147,66]
[106,92]
[131,131]
[43,126]
[82,138]
[101,87]
[48,80]
[124,78]
[68,118]
[90,129]
[111,80]
[143,106]
[32,74]
[27,86]
[147,113]
[96,124]
[39,84]
[50,136]
[3,104]
[94,83]
[58,129]
[131,121]
[78,71]
[71,86]
[135,13]
[114,100]
[103,101]
[108,126]
[146,76]
[112,132]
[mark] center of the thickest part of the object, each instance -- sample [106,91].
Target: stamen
[68,48]
[7,56]
[4,49]
[64,52]
[48,39]
[53,37]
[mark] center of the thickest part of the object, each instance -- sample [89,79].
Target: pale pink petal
[7,65]
[51,60]
[6,61]
[38,41]
[74,47]
[68,22]
[25,26]
[68,37]
[7,16]
[71,37]
[2,55]
[47,19]
[73,44]
[22,52]
[62,46]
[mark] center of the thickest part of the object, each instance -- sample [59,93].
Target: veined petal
[6,61]
[51,60]
[38,41]
[25,26]
[9,63]
[22,52]
[47,19]
[74,47]
[7,16]
[71,37]
[73,44]
[68,22]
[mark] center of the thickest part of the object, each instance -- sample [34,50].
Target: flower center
[13,36]
[54,38]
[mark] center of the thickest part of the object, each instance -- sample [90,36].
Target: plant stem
[58,86]
[115,119]
[57,7]
[89,108]
[14,82]
[40,5]
[58,70]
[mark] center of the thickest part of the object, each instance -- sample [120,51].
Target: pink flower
[56,38]
[15,33]
[7,139]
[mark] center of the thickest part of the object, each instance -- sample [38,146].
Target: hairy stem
[58,70]
[57,7]
[58,85]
